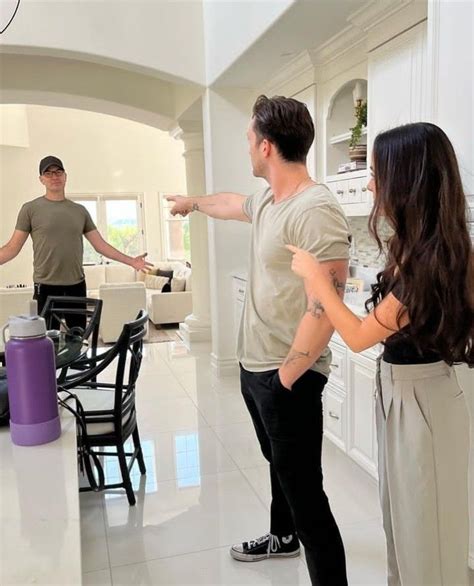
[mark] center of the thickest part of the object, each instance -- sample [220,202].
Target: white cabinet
[335,415]
[397,87]
[239,285]
[351,192]
[349,404]
[362,437]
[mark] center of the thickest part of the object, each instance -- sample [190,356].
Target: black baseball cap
[49,161]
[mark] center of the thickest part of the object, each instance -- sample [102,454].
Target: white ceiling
[305,25]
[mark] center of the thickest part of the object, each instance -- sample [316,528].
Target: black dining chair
[106,411]
[78,315]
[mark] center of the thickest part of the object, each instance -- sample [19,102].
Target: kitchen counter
[39,510]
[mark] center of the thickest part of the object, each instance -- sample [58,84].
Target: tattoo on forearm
[338,285]
[196,207]
[295,355]
[315,308]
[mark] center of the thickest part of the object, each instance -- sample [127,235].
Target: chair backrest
[126,356]
[74,312]
[129,348]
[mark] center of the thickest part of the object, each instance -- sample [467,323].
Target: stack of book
[352,166]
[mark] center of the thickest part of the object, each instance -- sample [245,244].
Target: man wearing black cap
[56,225]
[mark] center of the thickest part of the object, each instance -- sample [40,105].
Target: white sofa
[169,308]
[163,308]
[14,301]
[121,304]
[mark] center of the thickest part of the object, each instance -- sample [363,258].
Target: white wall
[451,46]
[163,35]
[230,27]
[102,154]
[228,168]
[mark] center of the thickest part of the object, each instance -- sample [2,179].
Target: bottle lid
[26,326]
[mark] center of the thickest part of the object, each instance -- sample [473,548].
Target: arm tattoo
[338,285]
[195,207]
[315,308]
[295,355]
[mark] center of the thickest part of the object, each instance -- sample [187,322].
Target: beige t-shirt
[56,228]
[275,300]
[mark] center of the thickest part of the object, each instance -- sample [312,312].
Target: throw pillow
[178,285]
[162,273]
[156,282]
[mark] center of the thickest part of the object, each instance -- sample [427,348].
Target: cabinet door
[362,437]
[397,81]
[335,415]
[239,287]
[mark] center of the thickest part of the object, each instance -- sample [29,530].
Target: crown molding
[375,12]
[353,37]
[347,39]
[299,66]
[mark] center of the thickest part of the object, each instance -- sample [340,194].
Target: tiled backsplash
[364,250]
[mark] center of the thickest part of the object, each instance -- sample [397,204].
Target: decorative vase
[358,152]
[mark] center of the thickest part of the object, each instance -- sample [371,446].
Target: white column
[451,61]
[451,69]
[226,114]
[197,326]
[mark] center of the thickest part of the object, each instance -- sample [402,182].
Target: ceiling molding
[297,67]
[375,12]
[354,38]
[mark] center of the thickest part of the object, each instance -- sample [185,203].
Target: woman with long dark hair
[423,312]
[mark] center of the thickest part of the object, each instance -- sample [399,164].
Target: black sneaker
[267,546]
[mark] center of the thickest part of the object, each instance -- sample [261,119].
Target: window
[90,255]
[175,230]
[119,219]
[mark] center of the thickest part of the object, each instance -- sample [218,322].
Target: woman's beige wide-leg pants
[423,447]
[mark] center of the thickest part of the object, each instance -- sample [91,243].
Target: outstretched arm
[102,247]
[13,246]
[222,206]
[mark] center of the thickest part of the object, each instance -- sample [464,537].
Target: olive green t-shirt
[275,300]
[56,228]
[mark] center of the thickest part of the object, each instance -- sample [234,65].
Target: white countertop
[40,540]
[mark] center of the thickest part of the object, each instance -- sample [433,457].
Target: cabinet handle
[339,192]
[335,365]
[241,290]
[333,415]
[364,189]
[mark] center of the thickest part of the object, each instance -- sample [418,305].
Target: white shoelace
[273,544]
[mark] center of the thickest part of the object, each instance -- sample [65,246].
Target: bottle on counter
[31,377]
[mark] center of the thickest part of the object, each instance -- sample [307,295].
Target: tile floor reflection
[207,487]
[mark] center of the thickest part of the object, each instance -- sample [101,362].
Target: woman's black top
[400,348]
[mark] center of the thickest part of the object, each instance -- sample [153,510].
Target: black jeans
[289,426]
[42,292]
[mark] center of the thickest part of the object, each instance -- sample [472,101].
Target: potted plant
[358,151]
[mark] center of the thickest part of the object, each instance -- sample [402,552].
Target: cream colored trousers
[423,447]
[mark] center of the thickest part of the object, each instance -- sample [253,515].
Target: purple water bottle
[31,376]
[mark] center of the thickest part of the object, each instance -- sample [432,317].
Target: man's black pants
[289,426]
[42,292]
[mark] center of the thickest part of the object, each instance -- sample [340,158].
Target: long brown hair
[429,257]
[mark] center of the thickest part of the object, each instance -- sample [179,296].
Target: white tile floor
[207,487]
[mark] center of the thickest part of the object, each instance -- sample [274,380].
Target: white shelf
[346,137]
[345,176]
